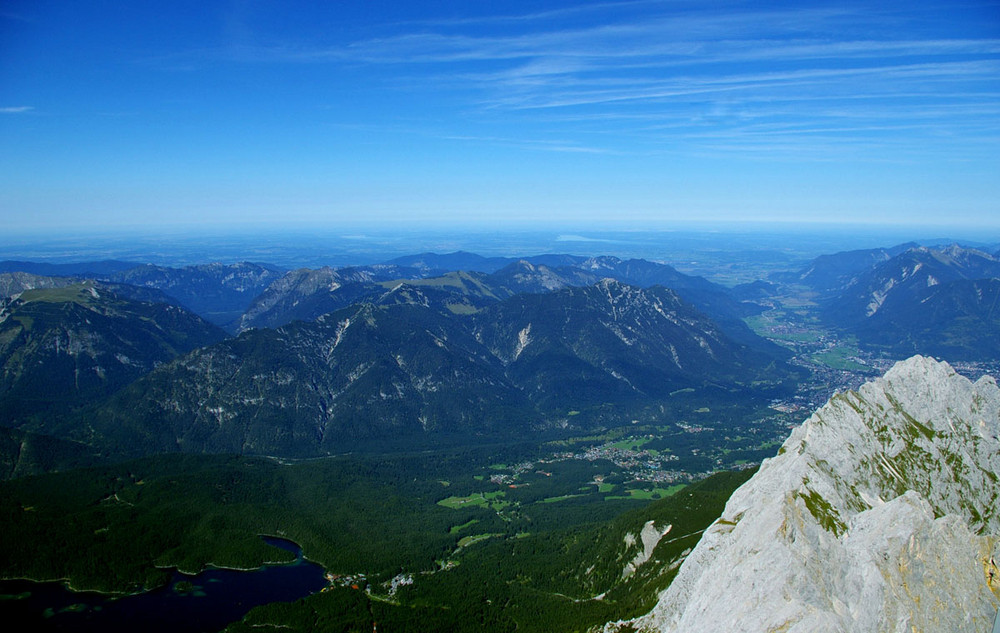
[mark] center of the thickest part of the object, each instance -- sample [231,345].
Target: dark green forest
[529,556]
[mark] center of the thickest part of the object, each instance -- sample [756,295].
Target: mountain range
[219,293]
[908,299]
[406,367]
[331,357]
[306,294]
[830,273]
[328,357]
[245,295]
[909,278]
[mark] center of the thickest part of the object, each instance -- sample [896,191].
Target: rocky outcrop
[649,536]
[880,513]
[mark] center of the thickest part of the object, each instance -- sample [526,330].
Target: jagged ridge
[878,514]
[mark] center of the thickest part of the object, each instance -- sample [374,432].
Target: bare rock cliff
[880,513]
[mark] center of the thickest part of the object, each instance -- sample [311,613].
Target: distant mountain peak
[613,285]
[601,262]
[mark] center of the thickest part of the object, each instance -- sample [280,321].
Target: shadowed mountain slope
[408,367]
[307,388]
[219,293]
[927,301]
[64,347]
[612,341]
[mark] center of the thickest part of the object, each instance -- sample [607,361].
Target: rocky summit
[879,513]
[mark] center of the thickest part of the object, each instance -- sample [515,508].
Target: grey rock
[880,513]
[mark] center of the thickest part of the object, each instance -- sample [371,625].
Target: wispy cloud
[16,109]
[638,36]
[880,79]
[561,13]
[620,68]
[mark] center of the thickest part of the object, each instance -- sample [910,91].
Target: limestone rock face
[880,513]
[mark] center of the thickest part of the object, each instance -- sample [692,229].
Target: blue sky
[124,113]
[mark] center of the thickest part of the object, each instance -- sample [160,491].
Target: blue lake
[217,598]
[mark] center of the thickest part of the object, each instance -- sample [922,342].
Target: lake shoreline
[66,583]
[209,600]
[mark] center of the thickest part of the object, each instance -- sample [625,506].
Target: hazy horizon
[686,245]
